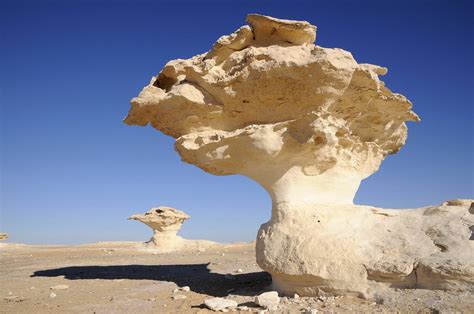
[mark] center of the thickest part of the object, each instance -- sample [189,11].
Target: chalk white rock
[358,250]
[309,124]
[59,287]
[185,288]
[269,300]
[178,297]
[165,222]
[219,304]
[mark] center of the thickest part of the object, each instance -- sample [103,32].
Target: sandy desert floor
[118,277]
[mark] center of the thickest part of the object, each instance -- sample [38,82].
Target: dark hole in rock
[164,82]
[441,247]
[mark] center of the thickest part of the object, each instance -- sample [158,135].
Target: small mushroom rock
[3,236]
[165,222]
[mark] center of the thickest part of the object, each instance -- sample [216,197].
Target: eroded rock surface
[267,103]
[362,250]
[3,236]
[308,123]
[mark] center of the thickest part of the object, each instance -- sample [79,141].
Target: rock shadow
[197,276]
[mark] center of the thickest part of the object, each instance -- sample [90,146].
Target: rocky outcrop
[361,250]
[307,123]
[3,236]
[165,222]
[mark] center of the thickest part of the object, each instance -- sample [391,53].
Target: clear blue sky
[72,172]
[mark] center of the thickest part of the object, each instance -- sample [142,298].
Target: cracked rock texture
[307,123]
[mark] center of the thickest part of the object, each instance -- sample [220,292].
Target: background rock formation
[165,222]
[308,123]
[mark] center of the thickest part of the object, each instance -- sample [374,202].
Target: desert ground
[123,277]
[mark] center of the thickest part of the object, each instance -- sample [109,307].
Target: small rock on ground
[185,288]
[219,304]
[178,296]
[60,287]
[269,300]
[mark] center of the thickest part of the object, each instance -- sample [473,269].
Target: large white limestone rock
[308,123]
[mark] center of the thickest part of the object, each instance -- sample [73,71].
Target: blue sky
[72,172]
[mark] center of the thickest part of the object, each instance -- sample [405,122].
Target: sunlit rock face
[307,123]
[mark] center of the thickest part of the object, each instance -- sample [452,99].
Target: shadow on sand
[197,276]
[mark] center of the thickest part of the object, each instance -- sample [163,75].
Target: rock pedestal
[308,123]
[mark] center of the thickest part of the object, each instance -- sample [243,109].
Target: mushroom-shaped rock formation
[3,236]
[307,123]
[165,222]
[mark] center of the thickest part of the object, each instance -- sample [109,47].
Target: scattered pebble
[152,299]
[240,270]
[219,304]
[185,288]
[296,296]
[60,287]
[269,300]
[223,254]
[52,295]
[178,296]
